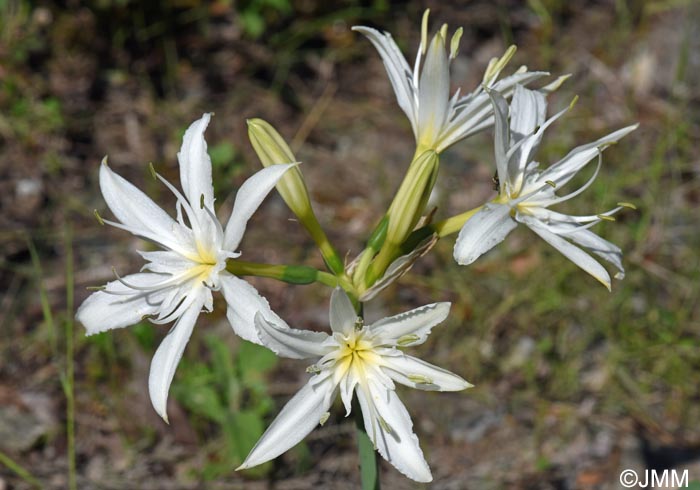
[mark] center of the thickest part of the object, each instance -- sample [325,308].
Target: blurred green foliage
[229,392]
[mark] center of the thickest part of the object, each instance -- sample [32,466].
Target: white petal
[248,199]
[382,410]
[501,136]
[572,252]
[601,247]
[409,370]
[243,302]
[298,417]
[195,165]
[527,112]
[433,92]
[416,323]
[487,228]
[135,209]
[290,342]
[342,314]
[103,311]
[168,356]
[166,262]
[564,170]
[398,70]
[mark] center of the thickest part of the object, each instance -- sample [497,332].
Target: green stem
[20,471]
[292,274]
[369,461]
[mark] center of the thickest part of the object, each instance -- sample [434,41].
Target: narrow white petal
[298,417]
[501,135]
[133,208]
[243,302]
[433,92]
[166,262]
[195,165]
[168,356]
[111,308]
[290,342]
[487,228]
[389,426]
[421,375]
[342,314]
[248,199]
[411,327]
[565,169]
[571,252]
[527,112]
[398,70]
[601,247]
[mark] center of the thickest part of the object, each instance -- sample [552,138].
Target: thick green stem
[292,274]
[369,460]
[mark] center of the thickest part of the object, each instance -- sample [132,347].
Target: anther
[605,217]
[324,418]
[99,218]
[628,205]
[407,340]
[551,183]
[201,201]
[153,171]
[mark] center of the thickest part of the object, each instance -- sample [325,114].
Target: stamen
[324,418]
[313,369]
[420,379]
[384,425]
[201,201]
[96,288]
[99,218]
[573,102]
[551,183]
[359,323]
[153,171]
[628,205]
[605,217]
[407,340]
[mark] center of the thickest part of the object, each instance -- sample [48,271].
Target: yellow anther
[201,201]
[627,205]
[605,217]
[313,369]
[99,218]
[384,425]
[551,183]
[573,102]
[324,418]
[420,379]
[407,340]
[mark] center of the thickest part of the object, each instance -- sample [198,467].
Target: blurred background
[573,384]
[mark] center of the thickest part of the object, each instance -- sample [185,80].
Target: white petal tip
[104,160]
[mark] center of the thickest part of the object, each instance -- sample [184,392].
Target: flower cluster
[362,362]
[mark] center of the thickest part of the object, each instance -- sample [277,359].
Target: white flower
[438,120]
[525,192]
[177,283]
[363,359]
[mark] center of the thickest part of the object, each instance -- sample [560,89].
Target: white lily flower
[361,359]
[438,120]
[526,192]
[177,283]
